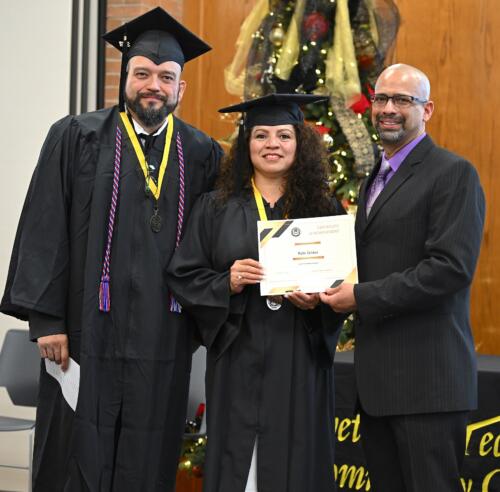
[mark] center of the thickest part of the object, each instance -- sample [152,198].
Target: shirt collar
[397,159]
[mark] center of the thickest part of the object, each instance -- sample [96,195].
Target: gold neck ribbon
[259,202]
[155,189]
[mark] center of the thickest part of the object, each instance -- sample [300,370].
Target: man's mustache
[395,119]
[153,95]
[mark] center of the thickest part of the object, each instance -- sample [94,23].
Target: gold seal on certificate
[309,255]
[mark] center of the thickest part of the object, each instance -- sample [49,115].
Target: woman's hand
[244,272]
[302,300]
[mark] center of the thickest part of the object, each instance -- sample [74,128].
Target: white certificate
[69,380]
[309,255]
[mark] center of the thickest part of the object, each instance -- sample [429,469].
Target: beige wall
[35,90]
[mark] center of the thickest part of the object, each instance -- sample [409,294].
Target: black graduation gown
[135,361]
[269,373]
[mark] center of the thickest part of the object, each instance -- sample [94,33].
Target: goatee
[390,136]
[150,116]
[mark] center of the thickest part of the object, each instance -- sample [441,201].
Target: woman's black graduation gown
[269,373]
[135,360]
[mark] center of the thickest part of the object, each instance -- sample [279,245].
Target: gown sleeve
[323,324]
[213,165]
[37,280]
[201,289]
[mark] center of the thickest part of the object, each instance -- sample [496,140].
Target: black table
[481,470]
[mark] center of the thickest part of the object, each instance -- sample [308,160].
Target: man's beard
[151,116]
[391,136]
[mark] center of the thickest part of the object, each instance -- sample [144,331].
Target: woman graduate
[269,379]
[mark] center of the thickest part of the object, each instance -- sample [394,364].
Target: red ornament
[361,105]
[200,411]
[365,61]
[197,471]
[315,26]
[322,129]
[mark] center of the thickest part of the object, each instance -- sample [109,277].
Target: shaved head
[410,75]
[398,123]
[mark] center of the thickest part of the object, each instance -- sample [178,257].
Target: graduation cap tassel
[104,288]
[104,297]
[123,73]
[241,159]
[175,307]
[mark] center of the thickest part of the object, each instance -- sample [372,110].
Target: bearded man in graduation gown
[105,210]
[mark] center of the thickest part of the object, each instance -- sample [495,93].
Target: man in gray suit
[418,230]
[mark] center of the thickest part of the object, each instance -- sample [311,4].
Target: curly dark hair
[307,193]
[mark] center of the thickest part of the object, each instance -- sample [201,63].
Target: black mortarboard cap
[273,109]
[157,36]
[270,110]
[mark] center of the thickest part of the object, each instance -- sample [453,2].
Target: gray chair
[19,372]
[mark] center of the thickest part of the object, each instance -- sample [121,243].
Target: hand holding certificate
[309,255]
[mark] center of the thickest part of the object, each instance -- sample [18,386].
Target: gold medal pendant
[274,302]
[151,188]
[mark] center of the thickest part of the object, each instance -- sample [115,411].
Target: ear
[428,110]
[182,88]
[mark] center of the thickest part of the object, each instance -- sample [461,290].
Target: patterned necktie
[377,185]
[147,144]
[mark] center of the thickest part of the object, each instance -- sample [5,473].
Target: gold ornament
[276,36]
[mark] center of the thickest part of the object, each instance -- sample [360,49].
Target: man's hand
[302,300]
[341,299]
[55,347]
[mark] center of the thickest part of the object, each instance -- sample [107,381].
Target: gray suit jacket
[417,252]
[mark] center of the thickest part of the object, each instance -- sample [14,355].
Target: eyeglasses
[399,100]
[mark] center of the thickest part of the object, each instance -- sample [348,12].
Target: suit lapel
[404,173]
[361,218]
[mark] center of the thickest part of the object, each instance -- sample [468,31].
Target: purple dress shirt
[395,162]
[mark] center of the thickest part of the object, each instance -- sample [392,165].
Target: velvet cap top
[273,109]
[157,36]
